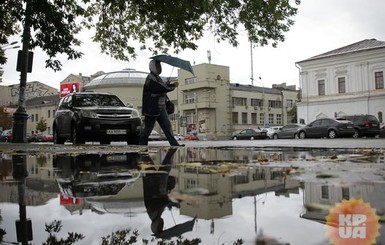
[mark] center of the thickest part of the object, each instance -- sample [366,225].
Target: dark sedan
[289,131]
[250,134]
[327,127]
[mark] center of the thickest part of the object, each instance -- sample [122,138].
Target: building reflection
[320,197]
[112,183]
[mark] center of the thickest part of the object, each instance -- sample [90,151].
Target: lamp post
[263,102]
[19,129]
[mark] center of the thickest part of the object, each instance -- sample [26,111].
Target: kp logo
[352,222]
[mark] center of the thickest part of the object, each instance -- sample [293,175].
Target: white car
[179,137]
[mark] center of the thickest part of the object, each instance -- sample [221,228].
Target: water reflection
[214,194]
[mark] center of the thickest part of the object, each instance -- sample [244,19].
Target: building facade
[348,80]
[215,108]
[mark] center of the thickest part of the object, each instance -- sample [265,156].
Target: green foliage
[41,126]
[5,119]
[158,26]
[53,229]
[293,114]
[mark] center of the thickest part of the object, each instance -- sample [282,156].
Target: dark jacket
[154,94]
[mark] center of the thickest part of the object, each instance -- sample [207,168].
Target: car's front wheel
[235,138]
[275,136]
[76,137]
[56,138]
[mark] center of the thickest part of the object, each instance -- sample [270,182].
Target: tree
[5,119]
[158,26]
[41,126]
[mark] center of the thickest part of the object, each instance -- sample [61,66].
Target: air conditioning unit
[269,108]
[255,107]
[261,108]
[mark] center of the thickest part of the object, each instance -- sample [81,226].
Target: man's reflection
[157,184]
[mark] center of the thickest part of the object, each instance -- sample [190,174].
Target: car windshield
[97,100]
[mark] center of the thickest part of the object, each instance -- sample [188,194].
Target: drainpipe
[300,85]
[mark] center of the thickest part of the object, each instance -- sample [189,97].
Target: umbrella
[174,61]
[177,230]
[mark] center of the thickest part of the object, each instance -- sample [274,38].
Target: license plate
[116,158]
[374,125]
[116,131]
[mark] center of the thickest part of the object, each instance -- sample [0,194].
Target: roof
[50,100]
[251,88]
[364,45]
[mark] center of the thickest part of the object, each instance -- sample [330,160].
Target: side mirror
[130,105]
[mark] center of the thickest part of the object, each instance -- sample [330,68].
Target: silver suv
[90,116]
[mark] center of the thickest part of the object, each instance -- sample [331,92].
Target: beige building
[216,108]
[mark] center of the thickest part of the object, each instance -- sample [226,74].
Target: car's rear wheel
[302,135]
[332,134]
[251,138]
[76,137]
[235,138]
[56,138]
[275,136]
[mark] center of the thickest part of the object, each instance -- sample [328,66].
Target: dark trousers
[164,123]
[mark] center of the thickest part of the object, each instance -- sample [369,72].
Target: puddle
[218,195]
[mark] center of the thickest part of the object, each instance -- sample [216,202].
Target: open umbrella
[174,61]
[177,230]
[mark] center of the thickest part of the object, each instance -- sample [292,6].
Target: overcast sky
[320,26]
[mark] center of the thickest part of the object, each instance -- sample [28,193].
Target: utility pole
[19,129]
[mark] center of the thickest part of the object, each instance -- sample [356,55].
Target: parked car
[327,127]
[179,137]
[289,131]
[6,136]
[269,132]
[364,125]
[250,134]
[92,116]
[31,137]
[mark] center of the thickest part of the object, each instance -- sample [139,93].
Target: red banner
[67,88]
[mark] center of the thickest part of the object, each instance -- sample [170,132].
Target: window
[279,118]
[257,102]
[36,117]
[341,85]
[321,87]
[32,118]
[49,113]
[379,79]
[275,104]
[190,80]
[325,192]
[345,193]
[190,98]
[253,118]
[235,117]
[239,101]
[380,117]
[289,103]
[271,118]
[262,118]
[244,117]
